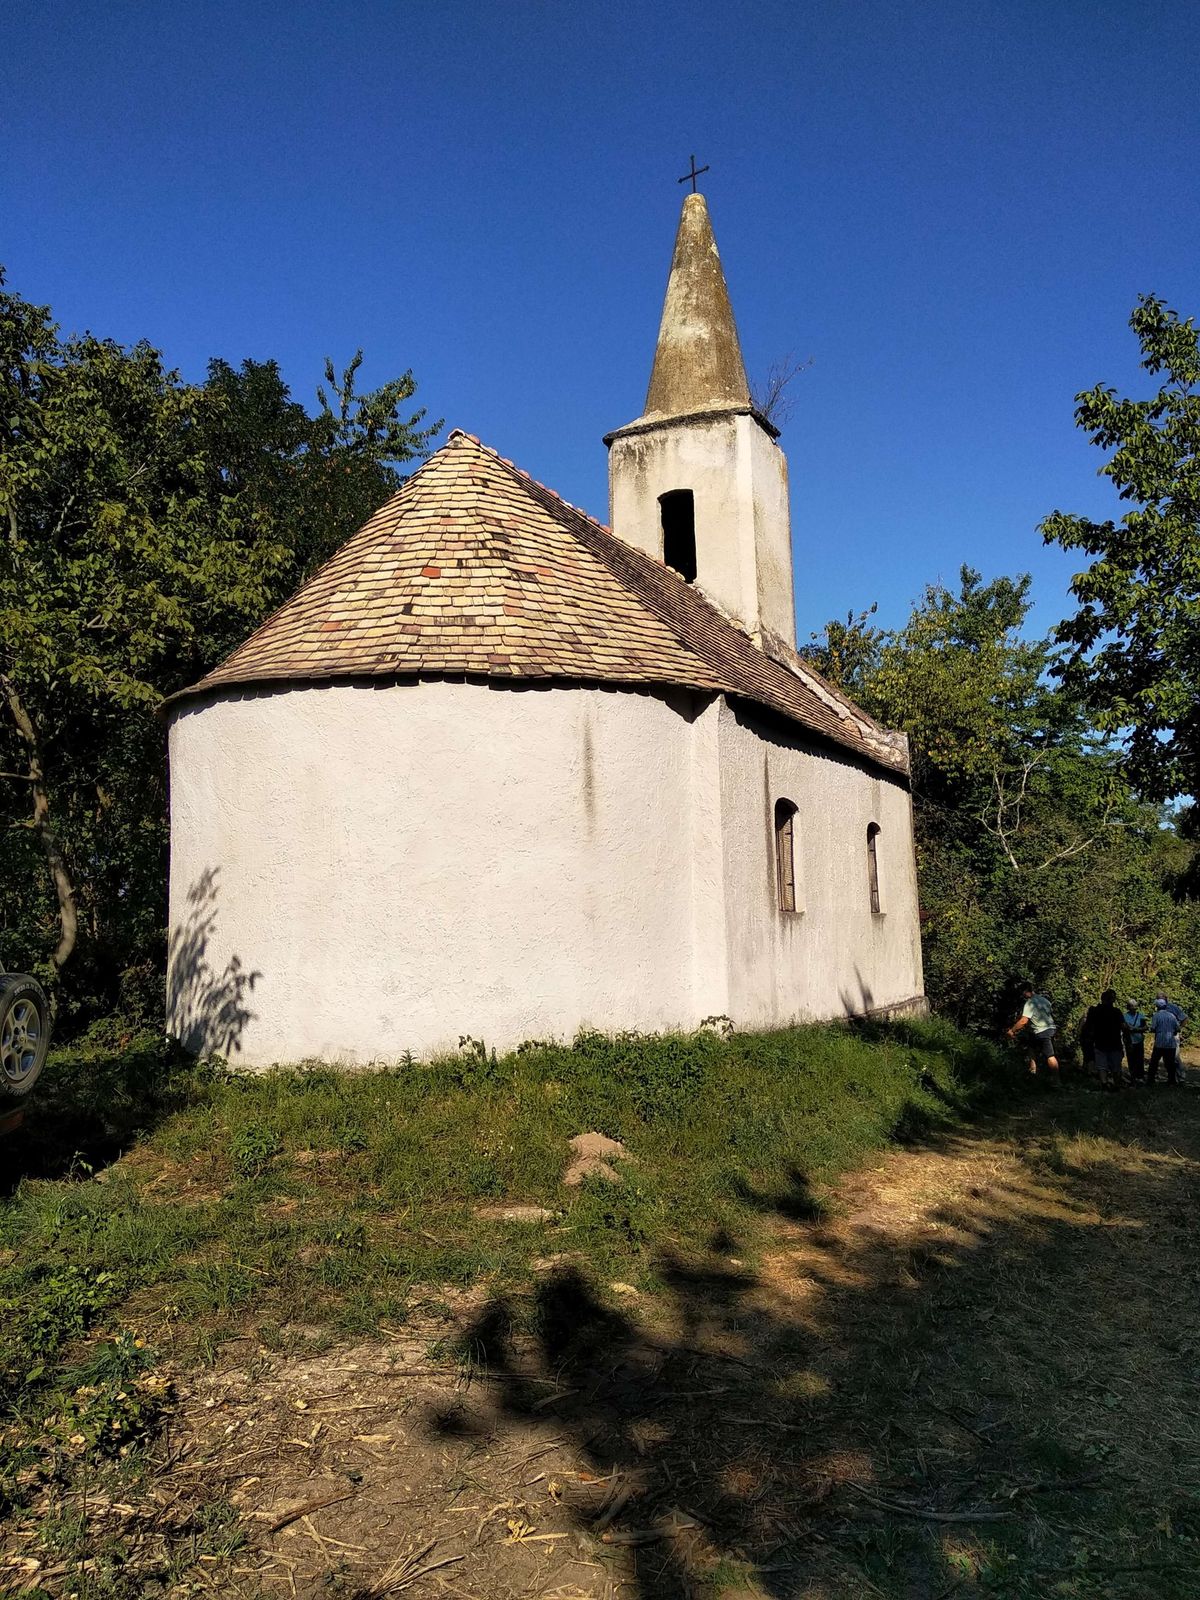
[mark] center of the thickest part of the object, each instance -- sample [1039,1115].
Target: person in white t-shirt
[1037,1016]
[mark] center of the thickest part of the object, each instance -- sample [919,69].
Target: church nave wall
[833,956]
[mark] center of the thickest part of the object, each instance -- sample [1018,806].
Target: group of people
[1111,1038]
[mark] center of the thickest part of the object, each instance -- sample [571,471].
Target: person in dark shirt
[1104,1032]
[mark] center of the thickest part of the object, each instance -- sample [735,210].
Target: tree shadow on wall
[207,1010]
[848,1417]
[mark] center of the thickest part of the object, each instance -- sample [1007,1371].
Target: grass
[158,1207]
[997,1319]
[326,1197]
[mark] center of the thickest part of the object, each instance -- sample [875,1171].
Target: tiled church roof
[474,569]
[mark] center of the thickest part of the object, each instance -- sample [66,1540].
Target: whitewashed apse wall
[403,864]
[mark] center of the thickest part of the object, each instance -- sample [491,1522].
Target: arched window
[677,510]
[785,854]
[873,864]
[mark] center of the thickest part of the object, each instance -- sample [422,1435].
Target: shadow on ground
[955,1380]
[970,1370]
[90,1105]
[95,1099]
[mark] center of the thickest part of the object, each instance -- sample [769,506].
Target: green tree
[148,524]
[1134,643]
[1033,853]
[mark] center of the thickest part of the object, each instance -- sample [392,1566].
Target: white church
[498,770]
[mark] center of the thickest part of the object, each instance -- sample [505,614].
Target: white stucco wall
[834,956]
[395,866]
[738,478]
[359,871]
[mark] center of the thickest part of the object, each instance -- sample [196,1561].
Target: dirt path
[974,1370]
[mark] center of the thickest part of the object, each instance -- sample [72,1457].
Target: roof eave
[895,762]
[653,424]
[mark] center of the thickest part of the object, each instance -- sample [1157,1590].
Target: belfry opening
[677,513]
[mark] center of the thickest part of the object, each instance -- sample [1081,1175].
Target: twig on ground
[318,1539]
[636,1536]
[928,1515]
[451,1588]
[1113,1566]
[669,1351]
[310,1505]
[550,1399]
[406,1570]
[959,1422]
[613,1507]
[1062,1486]
[763,1422]
[542,1450]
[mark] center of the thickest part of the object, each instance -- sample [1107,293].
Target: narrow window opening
[873,865]
[678,512]
[785,853]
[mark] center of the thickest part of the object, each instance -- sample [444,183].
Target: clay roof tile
[475,566]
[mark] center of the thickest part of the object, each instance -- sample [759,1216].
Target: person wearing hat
[1135,1024]
[1165,1027]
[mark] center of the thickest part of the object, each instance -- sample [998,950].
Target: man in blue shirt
[1165,1026]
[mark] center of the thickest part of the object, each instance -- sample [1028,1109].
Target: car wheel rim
[19,1039]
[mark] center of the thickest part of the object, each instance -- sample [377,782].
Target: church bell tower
[699,481]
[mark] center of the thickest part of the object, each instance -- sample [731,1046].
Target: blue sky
[948,207]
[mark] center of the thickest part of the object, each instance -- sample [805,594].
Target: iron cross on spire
[693,174]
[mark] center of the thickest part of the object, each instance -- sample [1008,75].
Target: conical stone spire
[698,363]
[698,481]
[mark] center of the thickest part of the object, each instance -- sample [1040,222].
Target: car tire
[24,1035]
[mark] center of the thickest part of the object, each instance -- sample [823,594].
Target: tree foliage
[146,526]
[1034,853]
[1134,643]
